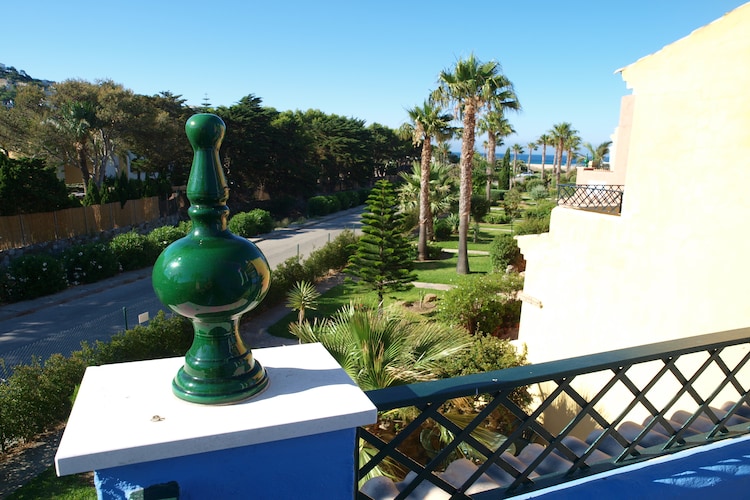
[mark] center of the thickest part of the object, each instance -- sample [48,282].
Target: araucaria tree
[383,260]
[472,86]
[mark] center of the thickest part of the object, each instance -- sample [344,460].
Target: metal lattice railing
[594,197]
[619,407]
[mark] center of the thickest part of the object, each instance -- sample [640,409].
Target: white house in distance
[676,261]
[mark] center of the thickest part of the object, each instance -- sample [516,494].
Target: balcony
[606,199]
[648,402]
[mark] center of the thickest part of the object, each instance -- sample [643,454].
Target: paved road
[59,323]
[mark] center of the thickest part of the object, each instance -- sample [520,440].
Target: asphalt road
[60,322]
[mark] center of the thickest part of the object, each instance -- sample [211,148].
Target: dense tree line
[276,154]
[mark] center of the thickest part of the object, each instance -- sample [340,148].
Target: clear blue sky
[364,59]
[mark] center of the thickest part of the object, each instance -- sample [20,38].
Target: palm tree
[597,153]
[472,85]
[517,150]
[560,133]
[532,147]
[544,141]
[442,190]
[496,126]
[78,120]
[429,121]
[572,144]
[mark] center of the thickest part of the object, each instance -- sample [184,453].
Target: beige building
[675,262]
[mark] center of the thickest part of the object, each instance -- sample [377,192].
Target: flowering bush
[133,251]
[32,276]
[89,263]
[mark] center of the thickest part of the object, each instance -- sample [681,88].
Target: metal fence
[688,392]
[594,197]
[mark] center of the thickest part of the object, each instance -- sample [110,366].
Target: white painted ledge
[126,413]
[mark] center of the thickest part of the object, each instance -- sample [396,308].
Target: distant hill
[11,79]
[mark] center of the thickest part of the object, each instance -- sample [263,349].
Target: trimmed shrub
[539,192]
[497,194]
[33,276]
[480,207]
[542,210]
[442,229]
[317,206]
[532,226]
[163,236]
[497,218]
[133,251]
[89,263]
[504,251]
[333,255]
[483,303]
[252,223]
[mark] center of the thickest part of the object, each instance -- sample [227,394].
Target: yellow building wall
[676,263]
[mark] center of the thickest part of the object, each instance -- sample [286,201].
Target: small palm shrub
[133,251]
[301,297]
[532,226]
[89,263]
[32,276]
[383,348]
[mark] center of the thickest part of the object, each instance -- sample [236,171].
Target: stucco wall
[675,263]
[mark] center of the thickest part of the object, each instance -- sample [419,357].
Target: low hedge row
[37,275]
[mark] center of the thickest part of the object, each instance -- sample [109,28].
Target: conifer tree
[383,259]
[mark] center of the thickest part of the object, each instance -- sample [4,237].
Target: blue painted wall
[311,467]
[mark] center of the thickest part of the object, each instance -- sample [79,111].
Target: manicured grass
[48,485]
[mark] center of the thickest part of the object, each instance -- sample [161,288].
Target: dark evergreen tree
[29,186]
[383,260]
[504,177]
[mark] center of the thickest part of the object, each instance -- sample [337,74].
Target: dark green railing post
[212,277]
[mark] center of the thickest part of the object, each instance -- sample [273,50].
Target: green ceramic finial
[212,277]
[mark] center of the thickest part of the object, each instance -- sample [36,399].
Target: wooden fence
[18,231]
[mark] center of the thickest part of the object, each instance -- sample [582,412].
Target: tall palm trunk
[83,165]
[464,201]
[544,156]
[491,144]
[558,161]
[425,213]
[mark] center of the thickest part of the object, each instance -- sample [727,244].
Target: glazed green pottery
[212,277]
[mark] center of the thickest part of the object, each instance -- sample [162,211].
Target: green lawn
[48,485]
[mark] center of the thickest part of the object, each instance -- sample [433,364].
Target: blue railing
[594,197]
[472,436]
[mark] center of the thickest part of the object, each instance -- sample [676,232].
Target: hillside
[11,79]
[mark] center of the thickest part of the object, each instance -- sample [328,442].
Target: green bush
[512,202]
[497,194]
[485,354]
[532,226]
[539,192]
[163,236]
[332,256]
[252,223]
[542,210]
[318,206]
[133,251]
[442,229]
[89,263]
[504,251]
[497,218]
[483,303]
[480,207]
[33,276]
